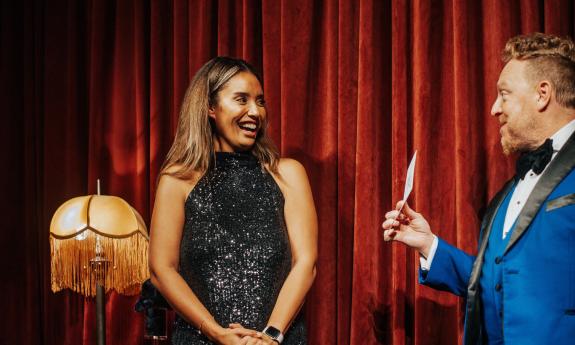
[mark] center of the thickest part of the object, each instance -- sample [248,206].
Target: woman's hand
[251,337]
[228,336]
[409,227]
[264,340]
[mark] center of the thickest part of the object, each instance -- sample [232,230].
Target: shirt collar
[560,137]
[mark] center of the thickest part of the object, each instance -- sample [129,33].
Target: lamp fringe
[125,273]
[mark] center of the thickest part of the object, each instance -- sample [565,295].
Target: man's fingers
[394,215]
[393,235]
[390,223]
[389,235]
[409,212]
[391,214]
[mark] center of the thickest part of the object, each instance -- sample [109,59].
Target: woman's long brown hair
[193,147]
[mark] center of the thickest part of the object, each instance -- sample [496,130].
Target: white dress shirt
[522,191]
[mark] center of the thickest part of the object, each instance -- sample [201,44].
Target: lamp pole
[100,314]
[99,265]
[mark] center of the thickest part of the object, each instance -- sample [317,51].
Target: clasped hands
[236,334]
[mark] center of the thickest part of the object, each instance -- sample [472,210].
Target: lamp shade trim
[76,234]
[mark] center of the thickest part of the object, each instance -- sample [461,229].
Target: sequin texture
[235,252]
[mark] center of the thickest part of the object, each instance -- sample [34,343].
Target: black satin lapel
[559,167]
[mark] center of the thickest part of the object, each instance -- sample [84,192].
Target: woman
[233,238]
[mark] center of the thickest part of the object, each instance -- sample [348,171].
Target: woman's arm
[301,221]
[165,236]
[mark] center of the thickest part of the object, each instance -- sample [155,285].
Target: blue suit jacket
[538,263]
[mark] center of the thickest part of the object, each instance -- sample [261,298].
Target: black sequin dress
[235,252]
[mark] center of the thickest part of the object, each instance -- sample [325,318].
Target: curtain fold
[92,89]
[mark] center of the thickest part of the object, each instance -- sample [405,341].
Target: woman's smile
[239,113]
[249,128]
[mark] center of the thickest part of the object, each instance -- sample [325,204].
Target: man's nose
[496,107]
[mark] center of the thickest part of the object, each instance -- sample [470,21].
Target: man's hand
[409,227]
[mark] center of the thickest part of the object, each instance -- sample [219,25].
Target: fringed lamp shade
[103,227]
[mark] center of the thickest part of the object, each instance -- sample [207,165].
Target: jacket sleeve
[449,271]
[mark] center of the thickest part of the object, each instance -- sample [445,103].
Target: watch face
[272,332]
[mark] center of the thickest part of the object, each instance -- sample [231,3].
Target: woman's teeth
[248,126]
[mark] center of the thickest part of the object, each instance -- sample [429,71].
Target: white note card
[409,178]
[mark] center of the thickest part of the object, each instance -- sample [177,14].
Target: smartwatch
[274,333]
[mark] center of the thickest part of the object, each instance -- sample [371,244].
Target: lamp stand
[101,314]
[99,266]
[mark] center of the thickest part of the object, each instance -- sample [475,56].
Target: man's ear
[544,91]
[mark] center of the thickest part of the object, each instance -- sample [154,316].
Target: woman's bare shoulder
[290,173]
[172,182]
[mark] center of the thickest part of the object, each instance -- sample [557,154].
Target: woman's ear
[211,112]
[544,91]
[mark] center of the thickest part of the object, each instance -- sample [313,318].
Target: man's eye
[241,99]
[261,102]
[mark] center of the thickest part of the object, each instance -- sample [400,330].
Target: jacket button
[498,260]
[497,287]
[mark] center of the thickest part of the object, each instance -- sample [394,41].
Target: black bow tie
[535,160]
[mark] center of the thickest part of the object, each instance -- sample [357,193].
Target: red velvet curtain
[91,89]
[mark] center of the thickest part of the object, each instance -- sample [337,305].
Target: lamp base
[100,314]
[99,267]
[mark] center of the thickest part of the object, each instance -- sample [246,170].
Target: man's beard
[507,147]
[519,146]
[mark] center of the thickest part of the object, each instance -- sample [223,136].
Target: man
[520,288]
